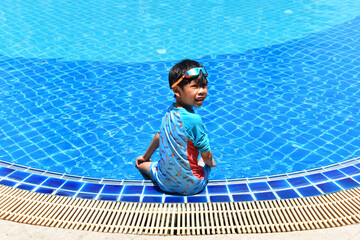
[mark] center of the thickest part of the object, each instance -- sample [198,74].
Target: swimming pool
[83,89]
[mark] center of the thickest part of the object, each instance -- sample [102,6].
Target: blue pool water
[83,85]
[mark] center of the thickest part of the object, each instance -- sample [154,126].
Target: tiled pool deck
[329,179]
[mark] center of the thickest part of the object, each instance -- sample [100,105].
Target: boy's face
[192,95]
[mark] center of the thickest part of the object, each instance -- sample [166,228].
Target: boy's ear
[176,90]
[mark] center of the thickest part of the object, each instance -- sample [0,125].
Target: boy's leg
[144,169]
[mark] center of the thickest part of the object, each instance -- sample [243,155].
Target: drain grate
[331,210]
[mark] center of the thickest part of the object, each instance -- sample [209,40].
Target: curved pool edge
[285,215]
[308,183]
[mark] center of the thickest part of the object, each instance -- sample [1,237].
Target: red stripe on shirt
[192,156]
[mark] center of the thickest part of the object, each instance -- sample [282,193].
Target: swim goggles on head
[192,73]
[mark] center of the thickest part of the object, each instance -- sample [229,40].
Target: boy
[181,136]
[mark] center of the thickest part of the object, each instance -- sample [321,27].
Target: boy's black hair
[179,69]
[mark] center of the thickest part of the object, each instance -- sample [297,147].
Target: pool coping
[308,183]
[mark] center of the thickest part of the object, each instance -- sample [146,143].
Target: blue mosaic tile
[197,199]
[112,189]
[335,174]
[86,195]
[329,187]
[309,191]
[5,171]
[203,192]
[92,187]
[298,182]
[238,188]
[65,193]
[279,184]
[169,199]
[259,187]
[8,183]
[18,175]
[265,196]
[45,190]
[242,197]
[54,182]
[347,183]
[152,199]
[36,179]
[351,170]
[130,198]
[357,178]
[285,194]
[316,178]
[152,190]
[129,189]
[217,189]
[108,197]
[219,198]
[72,185]
[27,187]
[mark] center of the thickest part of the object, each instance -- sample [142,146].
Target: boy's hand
[208,159]
[140,160]
[201,162]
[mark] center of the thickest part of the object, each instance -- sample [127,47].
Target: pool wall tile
[316,178]
[347,183]
[108,197]
[5,171]
[18,175]
[170,199]
[220,198]
[45,190]
[36,179]
[259,186]
[279,184]
[112,189]
[131,189]
[24,186]
[286,194]
[86,195]
[54,182]
[8,183]
[351,170]
[265,196]
[334,174]
[65,193]
[309,191]
[130,198]
[92,187]
[242,197]
[152,199]
[329,187]
[217,189]
[298,182]
[72,185]
[197,199]
[238,188]
[152,190]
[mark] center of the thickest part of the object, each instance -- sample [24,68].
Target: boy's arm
[208,159]
[152,147]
